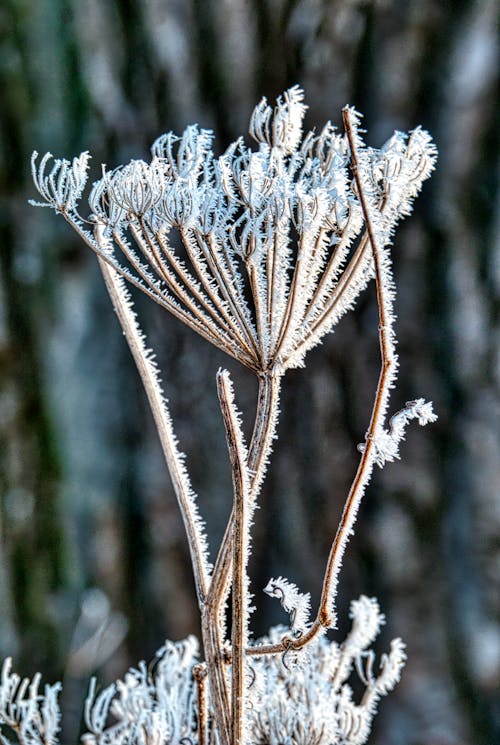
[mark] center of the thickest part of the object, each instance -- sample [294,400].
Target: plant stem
[149,378]
[200,676]
[240,539]
[265,424]
[264,427]
[216,665]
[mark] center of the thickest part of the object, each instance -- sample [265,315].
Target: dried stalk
[296,298]
[213,646]
[260,445]
[200,675]
[135,340]
[240,534]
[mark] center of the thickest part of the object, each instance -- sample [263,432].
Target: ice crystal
[63,185]
[314,704]
[387,441]
[31,714]
[151,706]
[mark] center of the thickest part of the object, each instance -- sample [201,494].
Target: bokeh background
[94,571]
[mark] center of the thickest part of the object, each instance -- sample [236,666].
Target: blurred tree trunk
[85,499]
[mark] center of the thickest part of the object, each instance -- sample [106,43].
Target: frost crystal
[315,703]
[297,604]
[31,714]
[386,441]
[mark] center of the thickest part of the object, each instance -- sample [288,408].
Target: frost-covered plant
[302,704]
[31,715]
[312,702]
[278,242]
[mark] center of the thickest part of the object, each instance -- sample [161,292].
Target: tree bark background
[94,568]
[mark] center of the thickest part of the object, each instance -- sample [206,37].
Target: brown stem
[200,676]
[216,664]
[265,422]
[239,620]
[239,585]
[388,361]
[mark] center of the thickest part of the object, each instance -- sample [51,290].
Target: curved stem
[258,453]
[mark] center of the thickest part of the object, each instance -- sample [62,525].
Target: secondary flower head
[261,251]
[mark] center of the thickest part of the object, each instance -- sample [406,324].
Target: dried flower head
[275,248]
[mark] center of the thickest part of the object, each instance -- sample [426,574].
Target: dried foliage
[300,704]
